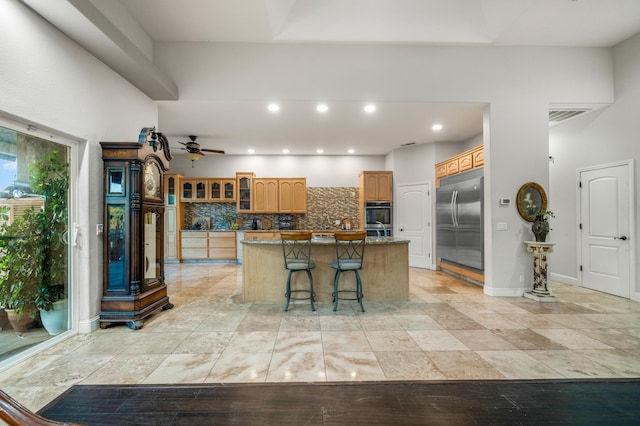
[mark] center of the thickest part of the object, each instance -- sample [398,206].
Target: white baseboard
[564,279]
[90,325]
[505,292]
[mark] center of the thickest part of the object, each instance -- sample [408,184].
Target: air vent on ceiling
[559,115]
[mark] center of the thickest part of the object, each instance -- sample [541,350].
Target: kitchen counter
[385,274]
[229,230]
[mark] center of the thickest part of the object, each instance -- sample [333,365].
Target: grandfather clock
[133,260]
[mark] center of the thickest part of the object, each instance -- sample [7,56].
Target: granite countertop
[229,230]
[327,240]
[319,231]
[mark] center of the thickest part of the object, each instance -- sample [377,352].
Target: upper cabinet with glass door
[171,188]
[221,190]
[210,190]
[193,190]
[244,182]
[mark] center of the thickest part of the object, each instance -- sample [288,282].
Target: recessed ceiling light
[251,151]
[274,107]
[322,108]
[285,151]
[319,150]
[351,151]
[436,127]
[369,108]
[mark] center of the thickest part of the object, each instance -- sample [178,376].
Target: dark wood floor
[415,403]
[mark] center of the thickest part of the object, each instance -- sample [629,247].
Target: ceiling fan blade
[182,143]
[215,151]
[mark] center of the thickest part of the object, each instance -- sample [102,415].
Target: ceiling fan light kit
[194,152]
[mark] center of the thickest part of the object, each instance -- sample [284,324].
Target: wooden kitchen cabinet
[193,190]
[292,195]
[468,160]
[441,170]
[221,190]
[270,195]
[452,167]
[376,186]
[194,245]
[478,157]
[465,163]
[265,195]
[201,245]
[222,245]
[244,185]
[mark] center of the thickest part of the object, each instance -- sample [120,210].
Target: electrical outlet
[521,278]
[99,229]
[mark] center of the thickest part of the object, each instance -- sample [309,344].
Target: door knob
[623,238]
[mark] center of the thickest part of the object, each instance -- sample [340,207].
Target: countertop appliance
[460,217]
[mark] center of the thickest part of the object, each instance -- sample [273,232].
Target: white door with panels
[605,218]
[414,223]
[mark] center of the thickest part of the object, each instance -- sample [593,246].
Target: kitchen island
[385,274]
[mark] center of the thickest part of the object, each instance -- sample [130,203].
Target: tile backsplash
[324,207]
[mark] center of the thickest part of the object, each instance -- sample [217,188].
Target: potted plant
[541,225]
[18,285]
[229,219]
[33,270]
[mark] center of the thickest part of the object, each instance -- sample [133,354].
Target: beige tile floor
[448,330]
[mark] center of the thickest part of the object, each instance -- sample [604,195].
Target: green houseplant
[33,269]
[18,284]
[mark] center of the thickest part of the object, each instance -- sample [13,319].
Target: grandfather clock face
[151,184]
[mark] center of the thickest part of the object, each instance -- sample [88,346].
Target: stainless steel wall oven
[378,218]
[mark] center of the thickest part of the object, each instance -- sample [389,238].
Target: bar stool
[296,249]
[349,257]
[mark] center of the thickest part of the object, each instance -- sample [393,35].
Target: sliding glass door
[35,249]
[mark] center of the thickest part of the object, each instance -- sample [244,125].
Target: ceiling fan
[194,152]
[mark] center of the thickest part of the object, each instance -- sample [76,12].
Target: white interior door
[605,215]
[414,223]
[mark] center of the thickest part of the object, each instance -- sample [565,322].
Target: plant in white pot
[33,272]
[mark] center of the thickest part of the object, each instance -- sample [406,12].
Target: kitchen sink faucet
[384,229]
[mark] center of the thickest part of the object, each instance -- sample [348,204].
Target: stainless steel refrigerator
[459,220]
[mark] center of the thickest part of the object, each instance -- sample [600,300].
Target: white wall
[49,81]
[320,171]
[473,142]
[236,71]
[604,136]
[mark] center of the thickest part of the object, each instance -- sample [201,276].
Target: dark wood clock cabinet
[133,277]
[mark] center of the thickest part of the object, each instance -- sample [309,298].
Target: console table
[540,291]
